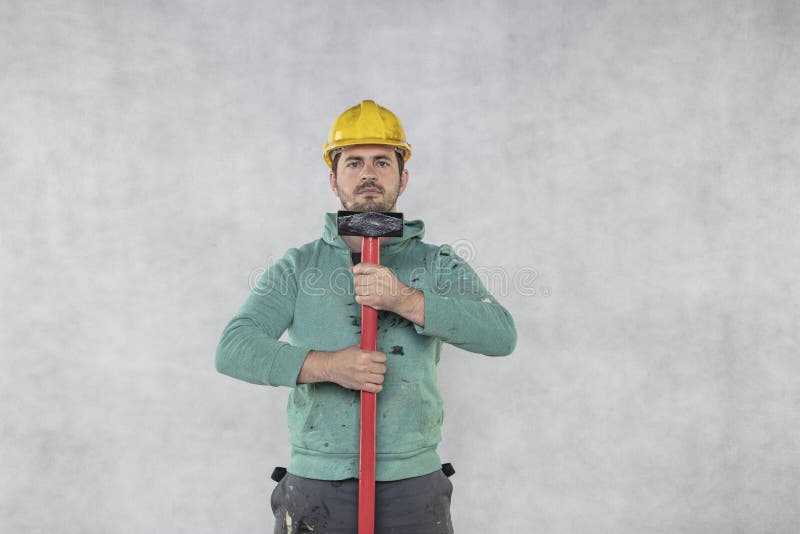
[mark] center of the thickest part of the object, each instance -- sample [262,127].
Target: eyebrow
[359,158]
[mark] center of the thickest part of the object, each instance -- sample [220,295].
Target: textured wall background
[641,157]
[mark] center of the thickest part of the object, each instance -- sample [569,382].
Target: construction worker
[426,295]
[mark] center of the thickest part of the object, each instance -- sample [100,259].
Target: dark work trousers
[419,505]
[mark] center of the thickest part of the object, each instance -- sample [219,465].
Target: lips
[369,190]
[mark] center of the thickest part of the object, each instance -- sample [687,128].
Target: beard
[384,201]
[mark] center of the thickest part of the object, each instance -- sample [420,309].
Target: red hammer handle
[370,253]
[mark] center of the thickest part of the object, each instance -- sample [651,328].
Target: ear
[403,181]
[332,180]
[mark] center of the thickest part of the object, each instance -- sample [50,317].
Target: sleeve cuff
[438,317]
[286,365]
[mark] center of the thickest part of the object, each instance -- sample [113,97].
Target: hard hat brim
[329,149]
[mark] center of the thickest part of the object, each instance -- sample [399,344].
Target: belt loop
[448,470]
[278,473]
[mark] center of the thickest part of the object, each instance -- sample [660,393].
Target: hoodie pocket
[330,425]
[403,425]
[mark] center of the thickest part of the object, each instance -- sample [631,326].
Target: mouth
[369,191]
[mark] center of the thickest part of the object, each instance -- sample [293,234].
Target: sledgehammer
[371,226]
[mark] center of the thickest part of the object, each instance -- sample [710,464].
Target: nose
[368,172]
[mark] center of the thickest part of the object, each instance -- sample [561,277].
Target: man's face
[368,178]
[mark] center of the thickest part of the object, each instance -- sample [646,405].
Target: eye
[352,164]
[382,164]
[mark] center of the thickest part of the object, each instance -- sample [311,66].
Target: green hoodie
[310,292]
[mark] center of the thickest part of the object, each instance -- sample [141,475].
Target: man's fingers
[363,289]
[363,280]
[377,379]
[376,368]
[372,388]
[359,369]
[364,268]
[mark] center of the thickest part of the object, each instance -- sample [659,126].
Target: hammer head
[370,223]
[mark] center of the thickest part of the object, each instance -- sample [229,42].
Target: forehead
[367,151]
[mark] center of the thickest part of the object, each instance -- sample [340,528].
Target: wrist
[412,305]
[316,367]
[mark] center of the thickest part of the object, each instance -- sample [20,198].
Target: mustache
[369,186]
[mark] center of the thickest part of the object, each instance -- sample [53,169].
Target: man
[425,295]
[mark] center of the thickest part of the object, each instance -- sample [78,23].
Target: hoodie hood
[414,229]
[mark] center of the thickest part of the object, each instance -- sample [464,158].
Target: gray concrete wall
[629,169]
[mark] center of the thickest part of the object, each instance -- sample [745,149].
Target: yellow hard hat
[366,123]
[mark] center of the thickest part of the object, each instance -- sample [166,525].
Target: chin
[366,207]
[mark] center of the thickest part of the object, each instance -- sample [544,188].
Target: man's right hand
[351,367]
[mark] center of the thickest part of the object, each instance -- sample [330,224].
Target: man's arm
[457,308]
[461,311]
[250,349]
[351,368]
